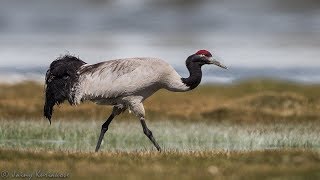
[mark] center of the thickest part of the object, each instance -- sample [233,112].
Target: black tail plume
[60,78]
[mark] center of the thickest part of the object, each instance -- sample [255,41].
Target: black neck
[195,74]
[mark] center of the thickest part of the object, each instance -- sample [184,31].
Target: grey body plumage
[122,83]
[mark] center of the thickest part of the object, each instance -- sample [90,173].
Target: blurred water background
[254,38]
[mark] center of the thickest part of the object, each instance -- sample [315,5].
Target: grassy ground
[243,102]
[267,164]
[191,150]
[257,129]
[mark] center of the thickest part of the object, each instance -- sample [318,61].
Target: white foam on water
[12,78]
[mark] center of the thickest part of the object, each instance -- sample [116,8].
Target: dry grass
[283,164]
[248,101]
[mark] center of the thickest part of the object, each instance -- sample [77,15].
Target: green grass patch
[171,135]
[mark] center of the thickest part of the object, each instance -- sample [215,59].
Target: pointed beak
[217,63]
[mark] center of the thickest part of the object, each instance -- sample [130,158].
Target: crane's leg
[138,110]
[148,133]
[116,111]
[104,129]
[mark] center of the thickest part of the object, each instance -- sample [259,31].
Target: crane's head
[205,57]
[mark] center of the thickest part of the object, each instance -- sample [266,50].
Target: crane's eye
[204,57]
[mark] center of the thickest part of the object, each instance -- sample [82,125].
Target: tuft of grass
[266,107]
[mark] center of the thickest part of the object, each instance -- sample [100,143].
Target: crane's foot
[154,142]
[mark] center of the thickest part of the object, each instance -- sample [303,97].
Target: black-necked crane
[122,83]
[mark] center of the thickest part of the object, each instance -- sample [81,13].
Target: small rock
[214,170]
